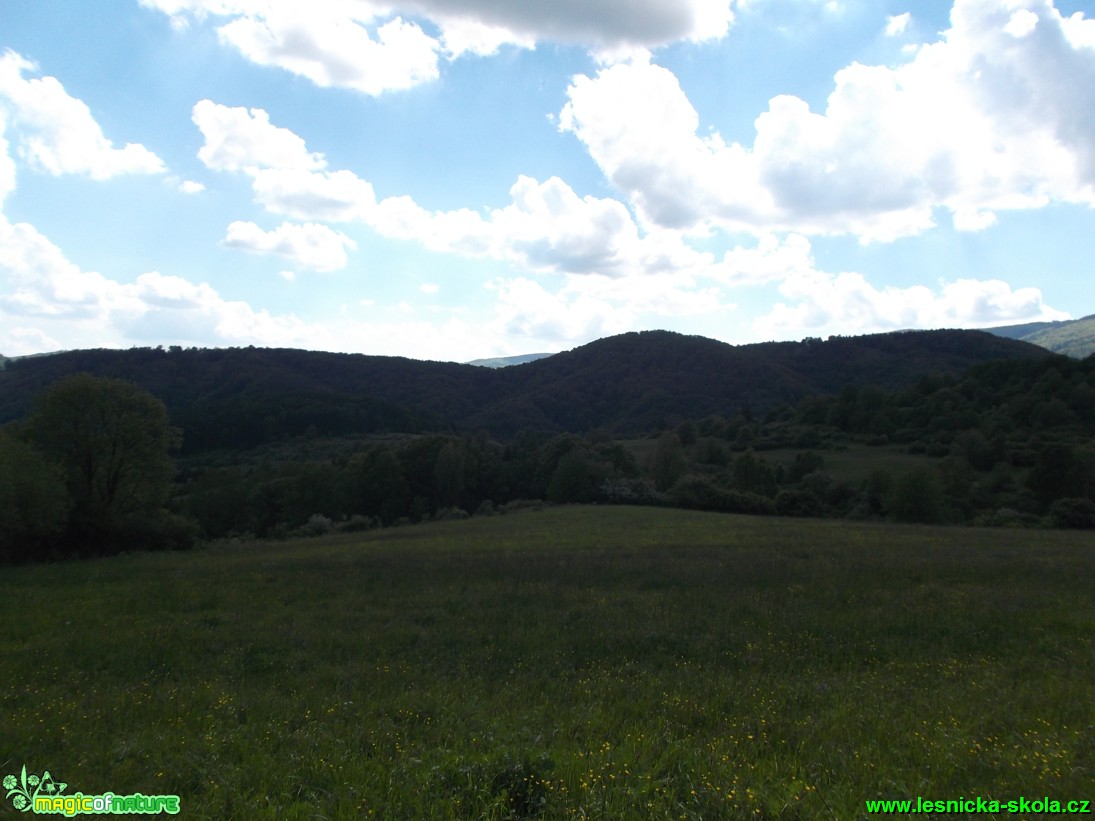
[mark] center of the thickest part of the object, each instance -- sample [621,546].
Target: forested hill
[1072,337]
[632,383]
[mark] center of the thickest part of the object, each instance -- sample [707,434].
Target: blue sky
[455,179]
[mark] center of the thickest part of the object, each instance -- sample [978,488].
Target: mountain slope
[1072,337]
[242,397]
[507,361]
[633,382]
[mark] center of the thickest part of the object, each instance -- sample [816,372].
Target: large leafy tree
[113,442]
[34,503]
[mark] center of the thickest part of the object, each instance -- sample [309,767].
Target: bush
[521,504]
[317,525]
[447,514]
[798,503]
[1006,517]
[629,491]
[917,497]
[1072,513]
[358,523]
[700,493]
[157,530]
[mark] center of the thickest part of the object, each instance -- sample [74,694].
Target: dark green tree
[917,496]
[376,485]
[577,478]
[113,442]
[448,474]
[753,475]
[34,502]
[667,461]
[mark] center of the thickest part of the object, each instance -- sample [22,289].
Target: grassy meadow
[575,662]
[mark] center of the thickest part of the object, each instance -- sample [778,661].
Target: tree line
[94,467]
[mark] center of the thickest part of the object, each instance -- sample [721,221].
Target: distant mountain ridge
[1071,337]
[629,384]
[507,361]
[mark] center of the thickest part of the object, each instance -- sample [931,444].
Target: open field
[573,662]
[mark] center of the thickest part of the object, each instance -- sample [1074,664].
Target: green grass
[570,663]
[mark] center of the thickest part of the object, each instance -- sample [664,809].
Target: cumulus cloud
[590,22]
[547,227]
[999,114]
[44,283]
[896,24]
[51,303]
[57,133]
[243,139]
[821,303]
[310,245]
[335,50]
[7,164]
[286,177]
[376,46]
[773,259]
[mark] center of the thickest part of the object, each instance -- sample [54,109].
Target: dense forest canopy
[242,397]
[944,426]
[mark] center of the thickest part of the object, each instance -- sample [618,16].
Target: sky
[461,179]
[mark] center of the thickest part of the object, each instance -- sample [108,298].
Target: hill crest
[631,383]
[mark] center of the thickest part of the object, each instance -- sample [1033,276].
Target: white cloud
[821,304]
[242,139]
[376,46]
[331,196]
[56,133]
[50,303]
[44,283]
[336,50]
[640,128]
[527,310]
[7,164]
[773,259]
[648,23]
[978,122]
[287,178]
[896,25]
[463,35]
[191,187]
[547,227]
[429,288]
[1022,23]
[311,245]
[72,308]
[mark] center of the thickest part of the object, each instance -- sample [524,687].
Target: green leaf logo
[22,790]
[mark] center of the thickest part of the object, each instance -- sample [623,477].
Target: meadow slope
[576,662]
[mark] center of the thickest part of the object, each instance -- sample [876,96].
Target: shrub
[446,514]
[358,523]
[629,491]
[700,493]
[917,497]
[317,525]
[798,503]
[1072,513]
